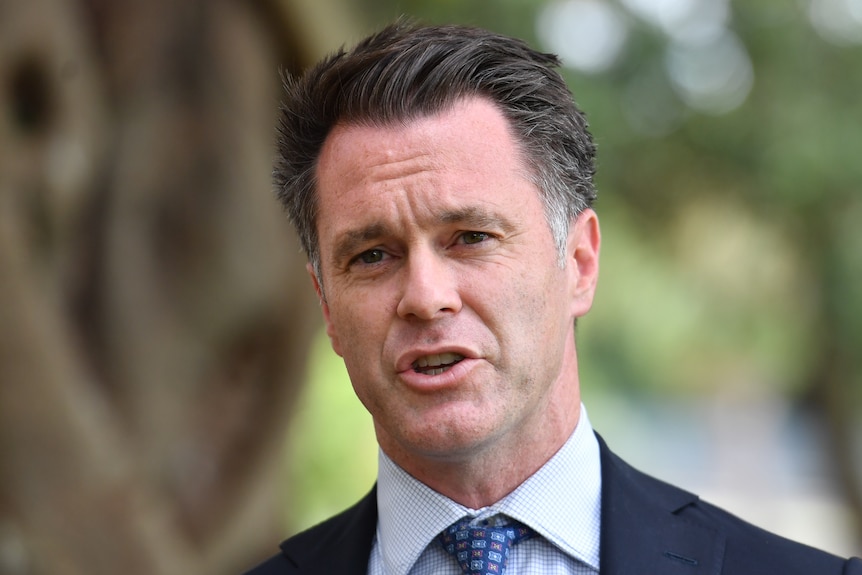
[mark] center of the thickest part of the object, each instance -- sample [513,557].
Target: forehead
[473,122]
[469,141]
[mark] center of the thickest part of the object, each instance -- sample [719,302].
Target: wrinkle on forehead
[423,131]
[379,175]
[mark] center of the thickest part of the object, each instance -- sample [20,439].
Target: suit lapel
[642,532]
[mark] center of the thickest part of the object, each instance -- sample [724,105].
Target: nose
[429,288]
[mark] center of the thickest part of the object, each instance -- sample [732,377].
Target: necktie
[482,550]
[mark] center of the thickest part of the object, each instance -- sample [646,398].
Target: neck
[475,478]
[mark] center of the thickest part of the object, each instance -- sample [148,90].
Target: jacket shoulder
[752,549]
[645,518]
[313,551]
[275,565]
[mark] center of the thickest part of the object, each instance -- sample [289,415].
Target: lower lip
[426,383]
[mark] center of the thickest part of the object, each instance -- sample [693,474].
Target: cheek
[361,371]
[534,316]
[359,329]
[503,310]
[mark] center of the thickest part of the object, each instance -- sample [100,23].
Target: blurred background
[168,403]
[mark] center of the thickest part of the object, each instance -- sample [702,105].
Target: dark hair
[408,71]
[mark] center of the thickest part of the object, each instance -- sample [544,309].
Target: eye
[474,237]
[370,257]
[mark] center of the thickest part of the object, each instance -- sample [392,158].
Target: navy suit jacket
[648,528]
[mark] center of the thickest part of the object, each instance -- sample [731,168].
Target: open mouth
[436,364]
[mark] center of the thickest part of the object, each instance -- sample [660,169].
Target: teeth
[437,360]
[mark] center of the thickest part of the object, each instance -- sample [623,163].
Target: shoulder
[752,549]
[350,533]
[275,565]
[643,516]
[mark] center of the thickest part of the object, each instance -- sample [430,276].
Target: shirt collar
[561,502]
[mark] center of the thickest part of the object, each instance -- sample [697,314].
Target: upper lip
[407,360]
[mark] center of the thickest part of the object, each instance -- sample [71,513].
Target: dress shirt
[561,502]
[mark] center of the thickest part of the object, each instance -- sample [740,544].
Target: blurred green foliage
[331,449]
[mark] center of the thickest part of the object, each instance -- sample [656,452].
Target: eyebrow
[352,241]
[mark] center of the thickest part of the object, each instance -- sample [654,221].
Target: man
[441,179]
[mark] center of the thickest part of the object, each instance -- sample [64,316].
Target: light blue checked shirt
[561,502]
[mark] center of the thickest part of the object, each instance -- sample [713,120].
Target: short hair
[407,71]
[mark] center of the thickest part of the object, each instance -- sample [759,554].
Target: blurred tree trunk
[154,315]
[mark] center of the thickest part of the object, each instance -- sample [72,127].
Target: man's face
[442,285]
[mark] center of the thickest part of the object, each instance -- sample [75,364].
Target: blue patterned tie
[482,550]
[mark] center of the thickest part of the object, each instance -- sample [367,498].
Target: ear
[330,328]
[582,260]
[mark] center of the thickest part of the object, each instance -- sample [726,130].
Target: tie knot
[482,549]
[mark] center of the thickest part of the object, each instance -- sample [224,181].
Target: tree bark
[154,318]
